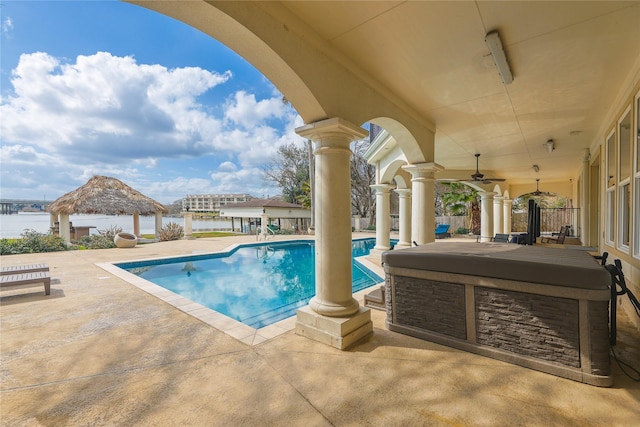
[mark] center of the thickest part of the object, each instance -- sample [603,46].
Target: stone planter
[125,240]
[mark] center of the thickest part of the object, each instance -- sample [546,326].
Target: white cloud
[102,114]
[227,167]
[7,27]
[246,112]
[246,180]
[169,191]
[104,103]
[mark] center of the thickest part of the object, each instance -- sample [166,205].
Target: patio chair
[28,268]
[559,239]
[27,279]
[442,231]
[602,258]
[501,238]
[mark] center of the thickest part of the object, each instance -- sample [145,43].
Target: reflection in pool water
[255,284]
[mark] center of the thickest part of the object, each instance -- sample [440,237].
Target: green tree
[290,170]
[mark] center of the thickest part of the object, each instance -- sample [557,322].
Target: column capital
[382,188]
[486,194]
[403,192]
[332,128]
[423,170]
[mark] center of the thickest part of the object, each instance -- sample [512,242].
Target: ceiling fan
[479,177]
[538,192]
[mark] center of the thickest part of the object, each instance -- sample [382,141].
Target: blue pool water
[257,284]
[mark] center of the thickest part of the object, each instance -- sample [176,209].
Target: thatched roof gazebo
[107,196]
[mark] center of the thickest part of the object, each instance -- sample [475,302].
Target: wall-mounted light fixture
[550,146]
[499,57]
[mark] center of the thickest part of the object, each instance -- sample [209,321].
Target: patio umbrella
[107,196]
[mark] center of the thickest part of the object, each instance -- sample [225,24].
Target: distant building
[212,202]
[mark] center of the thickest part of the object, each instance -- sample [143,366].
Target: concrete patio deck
[100,351]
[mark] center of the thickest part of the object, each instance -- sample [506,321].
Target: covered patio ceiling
[569,61]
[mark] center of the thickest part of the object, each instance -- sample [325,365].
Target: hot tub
[539,307]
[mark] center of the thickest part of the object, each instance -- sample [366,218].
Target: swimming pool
[256,284]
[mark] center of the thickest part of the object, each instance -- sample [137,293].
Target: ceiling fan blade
[479,177]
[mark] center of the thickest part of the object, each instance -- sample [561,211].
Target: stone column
[356,222]
[498,224]
[486,215]
[188,225]
[404,232]
[264,223]
[423,207]
[333,316]
[382,218]
[585,178]
[507,204]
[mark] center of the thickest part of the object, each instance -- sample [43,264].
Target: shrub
[10,246]
[110,233]
[462,230]
[171,231]
[32,242]
[97,241]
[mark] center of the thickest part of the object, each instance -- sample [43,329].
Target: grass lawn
[199,235]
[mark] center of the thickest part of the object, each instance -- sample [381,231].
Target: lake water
[13,225]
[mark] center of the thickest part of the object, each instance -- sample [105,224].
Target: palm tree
[460,199]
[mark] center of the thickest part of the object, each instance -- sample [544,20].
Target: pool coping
[238,330]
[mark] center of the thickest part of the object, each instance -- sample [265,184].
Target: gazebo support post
[158,224]
[65,228]
[136,224]
[53,218]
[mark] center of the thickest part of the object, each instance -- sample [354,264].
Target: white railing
[265,236]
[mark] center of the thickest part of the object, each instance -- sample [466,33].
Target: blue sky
[109,88]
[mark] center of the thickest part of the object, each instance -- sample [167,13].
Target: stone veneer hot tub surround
[542,308]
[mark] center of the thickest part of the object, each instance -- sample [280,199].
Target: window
[610,226]
[624,199]
[636,184]
[624,182]
[610,217]
[625,155]
[611,160]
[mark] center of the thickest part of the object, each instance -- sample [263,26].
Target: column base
[402,245]
[311,231]
[337,332]
[376,253]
